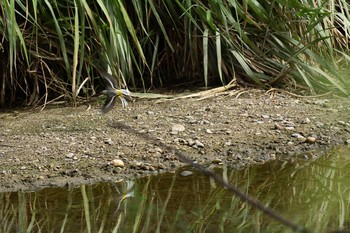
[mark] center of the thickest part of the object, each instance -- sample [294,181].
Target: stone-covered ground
[65,145]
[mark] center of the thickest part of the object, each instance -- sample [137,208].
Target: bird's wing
[109,104]
[109,79]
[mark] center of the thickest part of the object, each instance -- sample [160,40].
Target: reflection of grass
[313,194]
[47,211]
[7,214]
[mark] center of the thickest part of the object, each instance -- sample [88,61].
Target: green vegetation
[53,49]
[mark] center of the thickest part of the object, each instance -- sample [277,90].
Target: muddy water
[313,194]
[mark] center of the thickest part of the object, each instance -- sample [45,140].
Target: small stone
[319,124]
[228,131]
[117,163]
[265,116]
[341,123]
[299,137]
[290,143]
[137,163]
[306,121]
[290,128]
[320,102]
[190,142]
[108,141]
[208,131]
[205,122]
[228,143]
[117,170]
[217,161]
[310,139]
[186,173]
[159,150]
[176,128]
[198,144]
[69,155]
[289,124]
[278,126]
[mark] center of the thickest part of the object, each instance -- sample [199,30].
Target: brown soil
[64,145]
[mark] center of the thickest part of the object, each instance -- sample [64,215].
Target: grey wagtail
[113,92]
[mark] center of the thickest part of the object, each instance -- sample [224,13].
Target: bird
[113,93]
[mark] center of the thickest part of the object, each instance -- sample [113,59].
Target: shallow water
[313,194]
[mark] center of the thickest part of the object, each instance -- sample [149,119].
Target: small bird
[113,92]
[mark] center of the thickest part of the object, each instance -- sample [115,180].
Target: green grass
[54,49]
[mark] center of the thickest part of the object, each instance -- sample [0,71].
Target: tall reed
[52,49]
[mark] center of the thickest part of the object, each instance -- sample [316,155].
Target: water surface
[313,194]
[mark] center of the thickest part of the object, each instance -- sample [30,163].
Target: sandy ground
[64,145]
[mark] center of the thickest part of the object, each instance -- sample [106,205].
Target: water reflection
[313,194]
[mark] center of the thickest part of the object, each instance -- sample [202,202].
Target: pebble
[217,161]
[198,144]
[310,139]
[208,131]
[137,163]
[176,128]
[158,149]
[108,141]
[69,155]
[186,173]
[299,137]
[319,124]
[306,121]
[117,163]
[204,122]
[278,126]
[320,102]
[341,123]
[190,142]
[228,143]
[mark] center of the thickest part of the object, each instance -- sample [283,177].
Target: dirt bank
[65,145]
